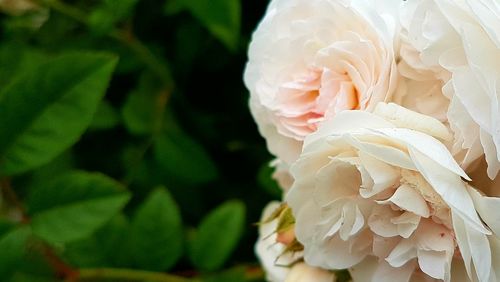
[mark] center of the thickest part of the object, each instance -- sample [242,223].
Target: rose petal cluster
[384,185]
[310,60]
[384,118]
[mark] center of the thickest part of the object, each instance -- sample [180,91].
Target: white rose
[311,59]
[451,57]
[383,185]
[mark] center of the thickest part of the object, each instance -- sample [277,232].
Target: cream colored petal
[354,221]
[409,199]
[450,187]
[405,118]
[490,152]
[383,246]
[364,271]
[487,13]
[382,175]
[495,252]
[402,253]
[488,208]
[380,221]
[346,181]
[387,154]
[474,248]
[385,272]
[407,223]
[344,122]
[287,149]
[426,145]
[434,263]
[434,237]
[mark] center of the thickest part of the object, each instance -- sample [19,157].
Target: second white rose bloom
[310,60]
[451,55]
[382,185]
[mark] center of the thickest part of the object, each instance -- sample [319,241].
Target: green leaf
[16,59]
[45,110]
[142,111]
[74,206]
[104,18]
[237,274]
[183,158]
[106,117]
[107,247]
[25,277]
[157,232]
[5,226]
[13,249]
[221,17]
[217,236]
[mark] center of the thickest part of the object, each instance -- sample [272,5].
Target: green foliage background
[127,150]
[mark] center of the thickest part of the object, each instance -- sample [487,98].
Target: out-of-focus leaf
[142,111]
[221,17]
[174,7]
[13,249]
[104,18]
[45,110]
[157,235]
[74,206]
[27,277]
[232,275]
[217,236]
[188,43]
[107,247]
[183,158]
[106,117]
[5,226]
[34,266]
[16,58]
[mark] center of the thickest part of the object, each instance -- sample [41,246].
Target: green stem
[129,275]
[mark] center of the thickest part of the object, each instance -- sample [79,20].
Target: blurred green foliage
[127,151]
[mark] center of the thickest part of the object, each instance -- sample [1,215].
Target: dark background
[208,103]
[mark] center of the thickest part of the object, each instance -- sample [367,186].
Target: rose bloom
[310,60]
[450,55]
[380,193]
[281,266]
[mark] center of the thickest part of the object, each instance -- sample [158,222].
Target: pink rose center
[303,103]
